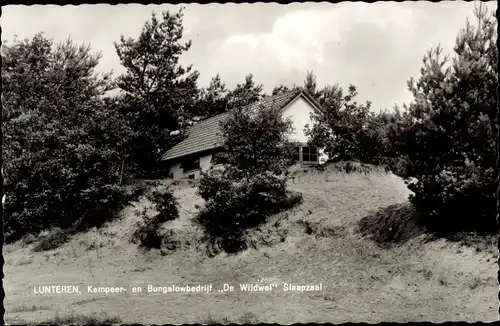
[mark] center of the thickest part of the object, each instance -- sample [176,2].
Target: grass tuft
[27,308]
[53,240]
[91,319]
[247,318]
[396,223]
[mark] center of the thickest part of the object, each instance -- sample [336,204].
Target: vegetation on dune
[396,223]
[52,240]
[78,319]
[72,152]
[62,139]
[443,143]
[70,148]
[446,138]
[148,232]
[247,318]
[252,184]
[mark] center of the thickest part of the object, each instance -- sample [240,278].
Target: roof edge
[170,159]
[312,100]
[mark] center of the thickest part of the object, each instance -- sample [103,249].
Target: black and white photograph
[248,163]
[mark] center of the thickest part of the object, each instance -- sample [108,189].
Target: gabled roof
[205,135]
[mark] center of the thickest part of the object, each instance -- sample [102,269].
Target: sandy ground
[361,282]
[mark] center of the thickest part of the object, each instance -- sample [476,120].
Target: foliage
[157,89]
[388,155]
[447,137]
[283,89]
[165,204]
[217,99]
[310,84]
[148,229]
[345,129]
[252,184]
[62,163]
[256,141]
[213,100]
[245,93]
[280,90]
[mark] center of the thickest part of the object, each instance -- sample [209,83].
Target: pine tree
[345,129]
[158,90]
[280,90]
[310,84]
[447,139]
[213,100]
[245,93]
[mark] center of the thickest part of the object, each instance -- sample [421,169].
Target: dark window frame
[310,154]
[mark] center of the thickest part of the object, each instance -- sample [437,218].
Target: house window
[310,154]
[191,164]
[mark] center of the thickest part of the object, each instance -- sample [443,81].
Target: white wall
[205,162]
[299,112]
[178,172]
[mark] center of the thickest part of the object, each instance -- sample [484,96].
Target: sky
[376,47]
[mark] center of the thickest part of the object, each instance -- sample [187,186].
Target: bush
[345,129]
[148,232]
[147,235]
[252,184]
[165,204]
[396,223]
[63,139]
[232,207]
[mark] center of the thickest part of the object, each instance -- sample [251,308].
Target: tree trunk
[121,170]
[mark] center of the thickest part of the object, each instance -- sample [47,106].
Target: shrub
[232,207]
[63,139]
[252,184]
[165,204]
[345,129]
[396,223]
[148,233]
[447,137]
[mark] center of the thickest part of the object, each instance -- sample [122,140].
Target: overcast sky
[376,47]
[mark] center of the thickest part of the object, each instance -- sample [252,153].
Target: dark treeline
[70,148]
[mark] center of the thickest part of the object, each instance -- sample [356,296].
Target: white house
[194,154]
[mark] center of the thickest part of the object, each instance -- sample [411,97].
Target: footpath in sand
[361,282]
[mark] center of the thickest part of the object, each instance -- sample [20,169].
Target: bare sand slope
[417,281]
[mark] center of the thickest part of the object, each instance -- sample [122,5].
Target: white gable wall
[299,112]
